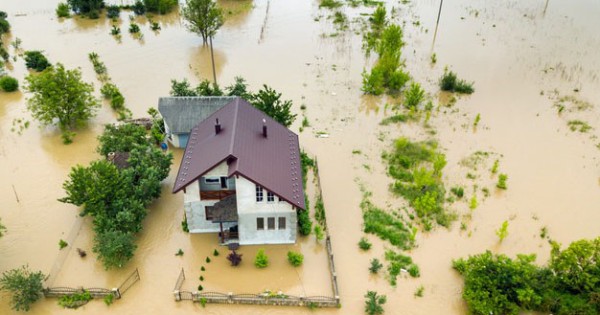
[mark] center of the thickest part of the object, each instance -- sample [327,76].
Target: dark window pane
[282,223]
[260,223]
[271,223]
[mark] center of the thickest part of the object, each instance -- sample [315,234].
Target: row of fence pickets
[57,292]
[257,299]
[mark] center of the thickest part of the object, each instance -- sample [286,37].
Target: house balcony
[216,194]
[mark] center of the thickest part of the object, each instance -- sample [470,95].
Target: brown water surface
[516,52]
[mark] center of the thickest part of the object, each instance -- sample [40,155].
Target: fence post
[177,294]
[230,297]
[301,300]
[116,292]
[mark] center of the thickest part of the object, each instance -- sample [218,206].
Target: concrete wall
[249,210]
[178,140]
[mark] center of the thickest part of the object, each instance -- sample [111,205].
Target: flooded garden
[506,168]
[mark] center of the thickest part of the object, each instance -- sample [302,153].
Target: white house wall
[249,210]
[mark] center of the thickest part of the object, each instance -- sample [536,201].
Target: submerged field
[533,64]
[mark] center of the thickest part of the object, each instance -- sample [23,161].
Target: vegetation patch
[117,196]
[386,226]
[569,284]
[75,300]
[416,168]
[578,125]
[24,286]
[450,82]
[398,263]
[295,258]
[261,260]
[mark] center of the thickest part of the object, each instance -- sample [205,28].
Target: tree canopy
[61,97]
[117,198]
[570,284]
[204,17]
[24,285]
[269,101]
[86,6]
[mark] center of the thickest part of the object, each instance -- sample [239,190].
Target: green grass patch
[416,168]
[398,262]
[386,226]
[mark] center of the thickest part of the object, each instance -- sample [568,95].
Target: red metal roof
[272,162]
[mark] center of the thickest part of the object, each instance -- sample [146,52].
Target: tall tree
[61,97]
[204,17]
[25,286]
[269,101]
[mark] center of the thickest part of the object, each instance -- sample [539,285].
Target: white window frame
[260,197]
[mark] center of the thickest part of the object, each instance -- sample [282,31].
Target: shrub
[115,30]
[234,258]
[36,60]
[8,84]
[502,232]
[261,260]
[413,96]
[419,291]
[215,253]
[139,8]
[160,6]
[207,260]
[330,4]
[374,302]
[375,265]
[295,259]
[364,243]
[494,169]
[134,28]
[179,252]
[24,285]
[413,271]
[398,262]
[62,244]
[113,11]
[502,181]
[319,235]
[75,300]
[108,300]
[304,222]
[63,10]
[449,82]
[458,191]
[89,8]
[4,25]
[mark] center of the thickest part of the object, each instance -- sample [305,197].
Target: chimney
[217,127]
[264,128]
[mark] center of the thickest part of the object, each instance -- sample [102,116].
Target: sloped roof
[182,113]
[272,162]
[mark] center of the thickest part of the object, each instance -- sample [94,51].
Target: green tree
[206,88]
[8,84]
[114,248]
[86,7]
[239,88]
[181,88]
[61,95]
[121,138]
[578,266]
[269,101]
[160,6]
[204,17]
[24,285]
[35,59]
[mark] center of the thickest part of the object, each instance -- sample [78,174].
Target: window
[270,196]
[260,223]
[223,182]
[271,223]
[208,213]
[211,180]
[281,223]
[259,193]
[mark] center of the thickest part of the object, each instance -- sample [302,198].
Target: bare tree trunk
[212,57]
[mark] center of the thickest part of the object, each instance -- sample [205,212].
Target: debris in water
[81,252]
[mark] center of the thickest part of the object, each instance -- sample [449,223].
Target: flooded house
[182,113]
[242,178]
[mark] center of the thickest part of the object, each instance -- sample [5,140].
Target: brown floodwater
[516,52]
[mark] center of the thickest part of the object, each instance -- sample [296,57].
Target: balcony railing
[216,194]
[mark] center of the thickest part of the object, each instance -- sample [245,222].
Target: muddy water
[513,51]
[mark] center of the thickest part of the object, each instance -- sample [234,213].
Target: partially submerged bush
[35,59]
[295,259]
[449,82]
[24,286]
[234,258]
[8,84]
[160,6]
[304,222]
[261,260]
[63,10]
[364,243]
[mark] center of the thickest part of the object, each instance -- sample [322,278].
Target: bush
[375,265]
[4,26]
[134,28]
[413,96]
[63,10]
[449,82]
[458,191]
[139,8]
[160,6]
[234,258]
[89,8]
[364,244]
[502,181]
[374,302]
[261,260]
[295,258]
[115,30]
[113,11]
[108,300]
[62,244]
[8,84]
[24,285]
[36,60]
[304,222]
[75,300]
